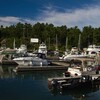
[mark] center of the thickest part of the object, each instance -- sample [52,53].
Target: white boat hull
[29,61]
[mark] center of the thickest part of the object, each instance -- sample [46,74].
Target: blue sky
[58,12]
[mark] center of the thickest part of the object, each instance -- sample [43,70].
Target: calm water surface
[33,86]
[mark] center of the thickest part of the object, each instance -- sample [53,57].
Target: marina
[75,71]
[49,50]
[33,72]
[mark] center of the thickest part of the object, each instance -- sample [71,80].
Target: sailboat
[66,50]
[75,52]
[79,42]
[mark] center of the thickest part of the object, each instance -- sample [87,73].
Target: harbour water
[34,86]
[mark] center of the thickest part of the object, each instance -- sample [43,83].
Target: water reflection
[7,72]
[34,85]
[76,94]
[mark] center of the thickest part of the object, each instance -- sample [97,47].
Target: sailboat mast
[49,43]
[14,44]
[66,43]
[56,43]
[79,41]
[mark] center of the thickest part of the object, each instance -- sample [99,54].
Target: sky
[57,12]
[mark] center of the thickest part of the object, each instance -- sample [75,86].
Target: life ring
[89,68]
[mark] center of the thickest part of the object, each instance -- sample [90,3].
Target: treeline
[47,33]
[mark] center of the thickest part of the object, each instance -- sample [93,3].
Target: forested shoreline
[22,33]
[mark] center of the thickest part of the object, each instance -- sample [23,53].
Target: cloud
[6,21]
[78,17]
[10,20]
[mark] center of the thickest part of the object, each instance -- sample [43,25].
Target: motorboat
[42,48]
[76,54]
[22,49]
[31,61]
[82,66]
[93,50]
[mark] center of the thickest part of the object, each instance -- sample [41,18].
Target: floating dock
[38,68]
[76,82]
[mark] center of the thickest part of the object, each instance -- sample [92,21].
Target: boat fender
[30,63]
[41,64]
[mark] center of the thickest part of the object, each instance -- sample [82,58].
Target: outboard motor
[54,83]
